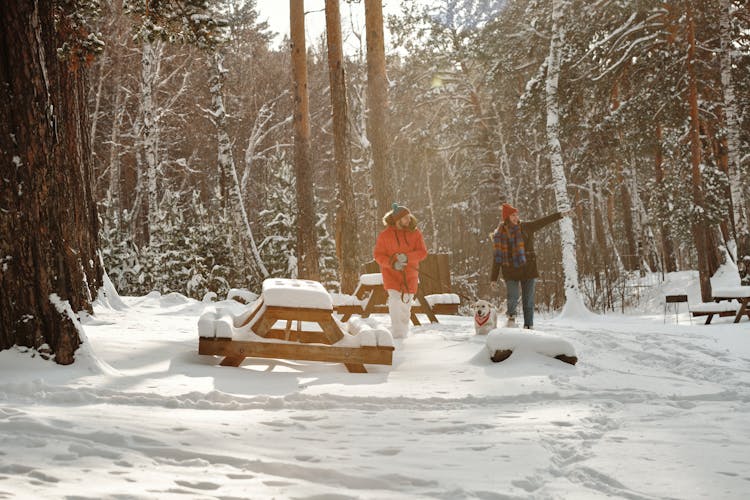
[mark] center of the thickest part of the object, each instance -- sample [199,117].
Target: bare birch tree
[573,298]
[226,157]
[740,222]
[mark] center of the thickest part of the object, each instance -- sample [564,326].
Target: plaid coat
[529,270]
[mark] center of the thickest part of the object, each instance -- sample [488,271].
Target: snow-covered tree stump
[503,342]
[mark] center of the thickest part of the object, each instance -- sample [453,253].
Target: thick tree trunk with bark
[308,266]
[346,220]
[377,105]
[49,267]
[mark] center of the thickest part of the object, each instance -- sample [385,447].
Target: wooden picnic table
[308,304]
[739,293]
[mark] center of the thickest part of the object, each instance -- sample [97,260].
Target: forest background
[654,130]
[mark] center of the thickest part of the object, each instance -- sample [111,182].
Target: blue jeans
[526,287]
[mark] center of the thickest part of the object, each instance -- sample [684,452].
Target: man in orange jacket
[399,249]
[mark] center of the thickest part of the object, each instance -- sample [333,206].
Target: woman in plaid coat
[513,242]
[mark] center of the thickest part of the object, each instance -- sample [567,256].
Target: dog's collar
[481,320]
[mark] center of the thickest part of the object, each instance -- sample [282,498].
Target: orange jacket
[392,241]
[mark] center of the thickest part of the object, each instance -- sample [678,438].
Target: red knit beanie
[508,210]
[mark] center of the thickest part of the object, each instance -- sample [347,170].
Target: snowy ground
[652,410]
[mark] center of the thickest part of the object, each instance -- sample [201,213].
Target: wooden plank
[370,267]
[445,308]
[381,355]
[288,329]
[263,323]
[306,337]
[426,307]
[252,314]
[363,290]
[378,297]
[355,368]
[742,309]
[414,319]
[331,330]
[298,313]
[348,311]
[710,315]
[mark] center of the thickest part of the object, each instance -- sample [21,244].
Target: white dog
[485,317]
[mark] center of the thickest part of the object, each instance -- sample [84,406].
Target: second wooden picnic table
[739,293]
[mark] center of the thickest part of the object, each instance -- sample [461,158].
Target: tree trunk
[631,258]
[377,105]
[150,134]
[307,249]
[114,198]
[49,268]
[346,221]
[227,166]
[699,225]
[740,222]
[667,247]
[573,299]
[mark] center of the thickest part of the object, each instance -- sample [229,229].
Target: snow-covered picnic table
[370,298]
[739,293]
[289,301]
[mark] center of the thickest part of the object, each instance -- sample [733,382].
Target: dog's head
[482,308]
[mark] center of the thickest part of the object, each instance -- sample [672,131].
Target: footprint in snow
[388,452]
[199,485]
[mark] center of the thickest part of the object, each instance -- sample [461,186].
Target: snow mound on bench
[369,332]
[442,298]
[241,295]
[715,307]
[343,299]
[371,279]
[736,292]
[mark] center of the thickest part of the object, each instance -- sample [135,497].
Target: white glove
[400,261]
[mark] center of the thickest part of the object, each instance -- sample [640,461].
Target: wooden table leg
[232,361]
[355,368]
[378,296]
[331,330]
[743,308]
[426,307]
[414,319]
